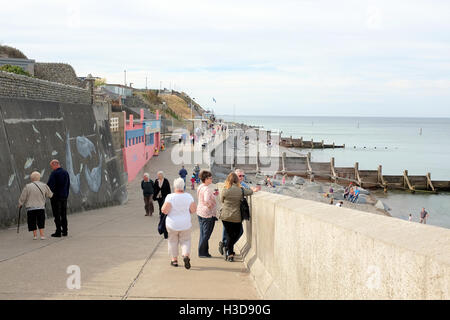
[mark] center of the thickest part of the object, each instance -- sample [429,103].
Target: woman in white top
[33,198]
[178,207]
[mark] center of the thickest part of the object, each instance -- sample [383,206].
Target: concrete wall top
[301,249]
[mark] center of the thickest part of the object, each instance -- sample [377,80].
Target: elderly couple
[34,195]
[179,205]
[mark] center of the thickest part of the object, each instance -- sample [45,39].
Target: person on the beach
[283,181]
[59,184]
[230,214]
[351,194]
[346,192]
[33,197]
[193,181]
[178,207]
[206,212]
[340,204]
[356,195]
[423,216]
[197,171]
[161,188]
[147,189]
[183,173]
[410,217]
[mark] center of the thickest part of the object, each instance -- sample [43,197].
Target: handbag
[245,209]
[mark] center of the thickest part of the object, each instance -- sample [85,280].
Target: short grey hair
[178,184]
[161,173]
[35,176]
[237,171]
[146,175]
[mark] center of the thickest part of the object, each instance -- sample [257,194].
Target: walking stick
[18,221]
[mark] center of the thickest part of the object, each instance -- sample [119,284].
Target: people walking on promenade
[183,173]
[230,214]
[147,189]
[161,188]
[423,216]
[178,208]
[193,181]
[206,212]
[241,175]
[33,198]
[59,184]
[197,172]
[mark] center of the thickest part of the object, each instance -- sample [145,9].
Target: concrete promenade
[120,255]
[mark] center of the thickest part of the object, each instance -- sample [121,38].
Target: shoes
[205,256]
[64,234]
[34,238]
[56,235]
[146,214]
[174,263]
[43,238]
[230,258]
[221,248]
[187,262]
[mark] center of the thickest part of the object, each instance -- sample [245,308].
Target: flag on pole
[214,100]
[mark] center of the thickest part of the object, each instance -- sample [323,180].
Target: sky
[318,57]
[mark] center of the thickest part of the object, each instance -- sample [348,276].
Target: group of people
[35,194]
[176,209]
[423,216]
[351,193]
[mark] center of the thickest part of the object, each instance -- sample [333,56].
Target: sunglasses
[241,175]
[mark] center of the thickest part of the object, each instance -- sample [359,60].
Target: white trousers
[182,238]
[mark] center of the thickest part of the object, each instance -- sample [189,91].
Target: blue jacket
[59,183]
[183,173]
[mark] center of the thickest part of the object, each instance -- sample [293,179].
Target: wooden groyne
[368,179]
[307,144]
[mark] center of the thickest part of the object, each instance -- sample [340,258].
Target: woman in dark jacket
[161,190]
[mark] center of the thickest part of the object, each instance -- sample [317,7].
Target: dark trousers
[224,235]
[59,208]
[148,201]
[206,229]
[233,230]
[160,203]
[36,218]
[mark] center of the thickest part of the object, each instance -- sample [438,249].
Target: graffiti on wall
[86,149]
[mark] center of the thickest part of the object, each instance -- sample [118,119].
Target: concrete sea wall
[33,132]
[300,249]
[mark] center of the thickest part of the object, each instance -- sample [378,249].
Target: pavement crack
[133,283]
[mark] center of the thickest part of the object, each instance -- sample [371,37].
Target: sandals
[187,262]
[174,263]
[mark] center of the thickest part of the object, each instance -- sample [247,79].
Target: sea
[419,145]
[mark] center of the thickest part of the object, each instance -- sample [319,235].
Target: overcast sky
[318,57]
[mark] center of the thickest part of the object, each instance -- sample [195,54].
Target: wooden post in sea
[257,162]
[312,144]
[429,183]
[406,182]
[333,145]
[301,142]
[333,171]
[323,144]
[357,178]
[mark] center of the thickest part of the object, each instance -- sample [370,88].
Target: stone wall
[18,86]
[33,132]
[57,72]
[300,249]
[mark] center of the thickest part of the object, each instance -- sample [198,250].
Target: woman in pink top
[206,211]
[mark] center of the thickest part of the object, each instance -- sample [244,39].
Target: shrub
[14,69]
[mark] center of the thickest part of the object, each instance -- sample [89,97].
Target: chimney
[142,115]
[157,114]
[131,121]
